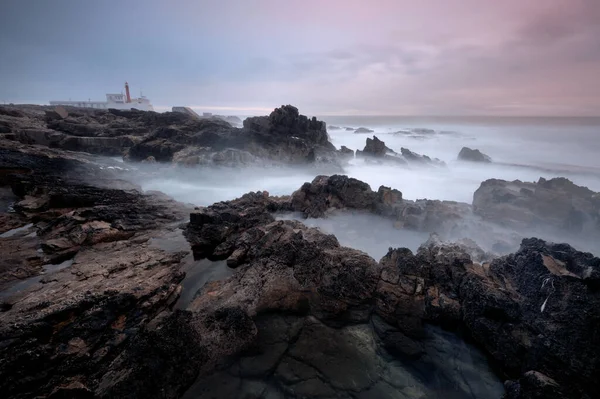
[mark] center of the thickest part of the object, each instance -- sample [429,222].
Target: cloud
[455,57]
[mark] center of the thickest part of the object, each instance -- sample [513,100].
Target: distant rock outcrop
[375,148]
[283,137]
[467,154]
[363,130]
[418,158]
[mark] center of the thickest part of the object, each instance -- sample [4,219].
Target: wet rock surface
[298,315]
[502,305]
[81,281]
[556,203]
[283,137]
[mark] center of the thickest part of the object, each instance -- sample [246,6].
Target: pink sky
[428,57]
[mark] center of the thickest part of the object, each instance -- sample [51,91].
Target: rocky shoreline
[93,271]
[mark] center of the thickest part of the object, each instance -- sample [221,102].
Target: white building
[117,101]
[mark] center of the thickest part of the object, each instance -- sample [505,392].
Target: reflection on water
[198,273]
[31,281]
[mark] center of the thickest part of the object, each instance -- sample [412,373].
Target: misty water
[521,148]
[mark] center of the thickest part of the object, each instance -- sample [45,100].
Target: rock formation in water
[362,130]
[556,203]
[467,154]
[523,309]
[375,148]
[92,268]
[284,137]
[420,159]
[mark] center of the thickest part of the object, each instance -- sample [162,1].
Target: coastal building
[117,101]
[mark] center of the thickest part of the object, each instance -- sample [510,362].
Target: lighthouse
[115,100]
[128,100]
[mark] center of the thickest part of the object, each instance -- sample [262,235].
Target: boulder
[557,203]
[467,154]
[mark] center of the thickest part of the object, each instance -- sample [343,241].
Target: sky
[327,57]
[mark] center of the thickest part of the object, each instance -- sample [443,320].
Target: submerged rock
[363,130]
[467,154]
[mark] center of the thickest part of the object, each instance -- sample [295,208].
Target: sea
[522,148]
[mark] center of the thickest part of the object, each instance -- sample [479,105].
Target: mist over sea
[521,148]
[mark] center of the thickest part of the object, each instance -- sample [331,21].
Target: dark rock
[284,137]
[467,154]
[417,158]
[314,199]
[9,111]
[347,152]
[556,203]
[375,148]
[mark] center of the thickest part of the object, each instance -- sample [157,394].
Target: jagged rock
[521,308]
[363,130]
[505,306]
[284,137]
[103,281]
[113,333]
[375,148]
[346,152]
[555,203]
[417,158]
[314,199]
[467,154]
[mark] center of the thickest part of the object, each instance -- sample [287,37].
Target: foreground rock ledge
[104,326]
[535,311]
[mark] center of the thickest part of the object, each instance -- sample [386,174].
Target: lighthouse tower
[128,97]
